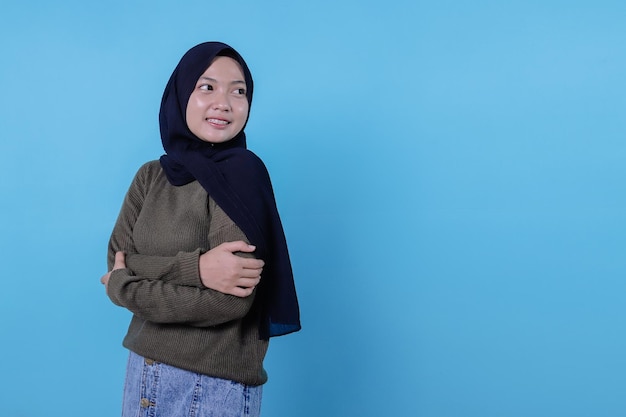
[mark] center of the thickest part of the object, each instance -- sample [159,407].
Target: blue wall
[450,175]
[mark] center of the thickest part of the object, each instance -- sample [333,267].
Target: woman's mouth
[218,122]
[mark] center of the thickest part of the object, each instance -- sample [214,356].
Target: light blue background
[450,176]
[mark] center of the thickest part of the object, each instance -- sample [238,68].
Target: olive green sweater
[163,230]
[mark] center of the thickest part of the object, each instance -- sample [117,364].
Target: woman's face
[218,108]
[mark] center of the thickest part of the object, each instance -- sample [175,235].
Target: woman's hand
[120,263]
[224,271]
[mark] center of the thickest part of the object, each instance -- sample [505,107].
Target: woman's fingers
[120,261]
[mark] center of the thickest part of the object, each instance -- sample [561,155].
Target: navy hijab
[238,182]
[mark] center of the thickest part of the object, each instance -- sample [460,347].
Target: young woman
[198,253]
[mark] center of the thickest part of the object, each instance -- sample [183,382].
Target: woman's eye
[241,91]
[206,87]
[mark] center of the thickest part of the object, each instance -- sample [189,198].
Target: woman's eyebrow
[214,80]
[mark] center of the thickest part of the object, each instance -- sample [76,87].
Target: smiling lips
[218,122]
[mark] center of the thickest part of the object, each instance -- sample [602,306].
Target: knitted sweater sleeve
[164,289]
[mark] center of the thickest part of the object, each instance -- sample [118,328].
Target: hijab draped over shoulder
[236,179]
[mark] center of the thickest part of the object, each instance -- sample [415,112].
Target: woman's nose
[221,102]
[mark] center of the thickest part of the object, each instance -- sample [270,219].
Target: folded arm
[195,288]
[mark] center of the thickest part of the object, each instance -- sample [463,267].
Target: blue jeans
[154,389]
